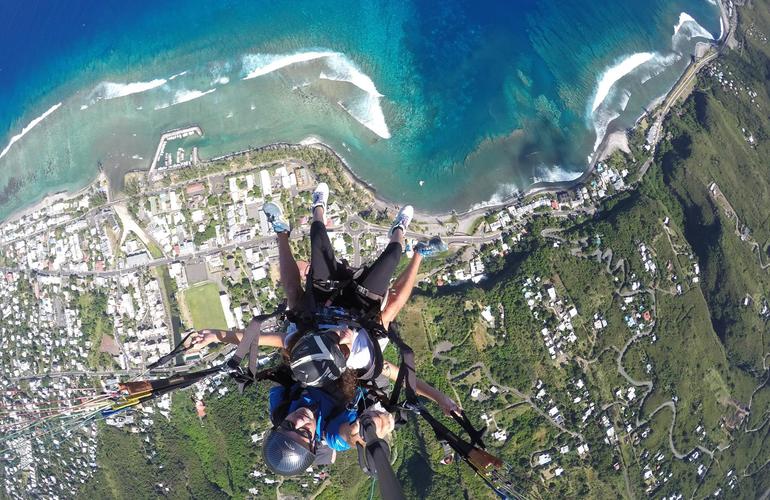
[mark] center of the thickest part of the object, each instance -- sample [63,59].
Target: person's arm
[209,336]
[351,431]
[401,290]
[446,403]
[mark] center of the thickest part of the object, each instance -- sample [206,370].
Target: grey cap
[285,456]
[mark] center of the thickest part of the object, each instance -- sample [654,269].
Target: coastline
[603,150]
[52,198]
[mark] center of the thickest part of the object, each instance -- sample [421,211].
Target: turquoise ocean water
[444,105]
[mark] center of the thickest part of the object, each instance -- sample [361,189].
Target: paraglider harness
[374,458]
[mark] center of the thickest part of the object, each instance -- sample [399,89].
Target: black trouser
[324,267]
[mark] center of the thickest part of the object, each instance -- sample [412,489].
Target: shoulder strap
[370,374]
[406,371]
[290,393]
[249,345]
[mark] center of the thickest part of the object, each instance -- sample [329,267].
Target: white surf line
[615,73]
[339,68]
[177,75]
[29,127]
[114,90]
[695,31]
[276,62]
[182,96]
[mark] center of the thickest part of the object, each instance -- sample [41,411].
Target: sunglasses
[306,434]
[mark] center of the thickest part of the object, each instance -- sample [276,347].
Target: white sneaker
[402,220]
[320,197]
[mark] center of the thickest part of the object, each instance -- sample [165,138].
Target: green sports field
[202,301]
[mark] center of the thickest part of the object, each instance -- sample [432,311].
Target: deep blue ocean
[445,105]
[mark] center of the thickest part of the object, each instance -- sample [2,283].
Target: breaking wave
[112,90]
[658,65]
[185,96]
[689,26]
[555,174]
[624,99]
[614,73]
[342,70]
[366,110]
[29,127]
[504,193]
[602,111]
[606,105]
[255,65]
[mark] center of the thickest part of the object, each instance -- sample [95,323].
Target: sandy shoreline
[52,198]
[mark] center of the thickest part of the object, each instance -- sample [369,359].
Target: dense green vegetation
[94,323]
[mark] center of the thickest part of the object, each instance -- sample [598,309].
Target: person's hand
[383,421]
[448,406]
[202,339]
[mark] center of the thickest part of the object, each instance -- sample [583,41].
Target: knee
[317,227]
[394,247]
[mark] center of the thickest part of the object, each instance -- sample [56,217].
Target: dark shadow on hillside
[509,269]
[415,473]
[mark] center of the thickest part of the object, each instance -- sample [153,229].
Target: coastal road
[681,89]
[156,262]
[364,226]
[356,233]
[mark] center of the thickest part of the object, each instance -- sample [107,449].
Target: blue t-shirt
[328,417]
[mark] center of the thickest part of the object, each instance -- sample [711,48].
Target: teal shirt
[329,417]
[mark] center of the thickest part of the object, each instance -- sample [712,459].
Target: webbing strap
[159,387]
[249,345]
[406,370]
[465,423]
[482,463]
[178,349]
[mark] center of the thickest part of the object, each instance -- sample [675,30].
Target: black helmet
[285,456]
[317,359]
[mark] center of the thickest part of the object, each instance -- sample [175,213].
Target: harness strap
[159,387]
[178,349]
[406,370]
[483,464]
[473,433]
[360,289]
[379,359]
[249,345]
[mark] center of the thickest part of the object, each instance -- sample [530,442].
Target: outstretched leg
[377,277]
[323,264]
[290,277]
